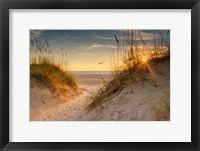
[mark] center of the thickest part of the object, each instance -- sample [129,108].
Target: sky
[88,50]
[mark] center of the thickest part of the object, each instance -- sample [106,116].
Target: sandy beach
[134,103]
[53,109]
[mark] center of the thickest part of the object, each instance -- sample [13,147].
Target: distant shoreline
[91,72]
[91,77]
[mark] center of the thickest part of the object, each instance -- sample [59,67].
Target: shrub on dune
[51,76]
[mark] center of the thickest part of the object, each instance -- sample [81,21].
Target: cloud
[111,46]
[104,38]
[99,46]
[36,33]
[95,46]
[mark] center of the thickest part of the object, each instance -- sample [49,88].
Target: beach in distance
[91,81]
[85,78]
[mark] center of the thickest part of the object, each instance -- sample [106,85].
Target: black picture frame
[5,5]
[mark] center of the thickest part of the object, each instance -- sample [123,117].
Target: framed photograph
[99,75]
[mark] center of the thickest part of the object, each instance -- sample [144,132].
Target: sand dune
[46,106]
[135,102]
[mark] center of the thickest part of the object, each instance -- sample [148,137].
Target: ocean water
[91,72]
[91,77]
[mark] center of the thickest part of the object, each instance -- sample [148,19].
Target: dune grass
[120,80]
[46,70]
[162,110]
[51,76]
[129,63]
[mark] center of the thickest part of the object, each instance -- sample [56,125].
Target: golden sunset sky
[87,50]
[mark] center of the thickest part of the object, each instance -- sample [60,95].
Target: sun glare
[144,59]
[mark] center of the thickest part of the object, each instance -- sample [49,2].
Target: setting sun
[144,59]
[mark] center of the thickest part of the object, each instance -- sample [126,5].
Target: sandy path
[72,108]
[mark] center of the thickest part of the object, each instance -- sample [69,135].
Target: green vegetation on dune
[123,79]
[131,63]
[162,110]
[51,75]
[117,84]
[46,70]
